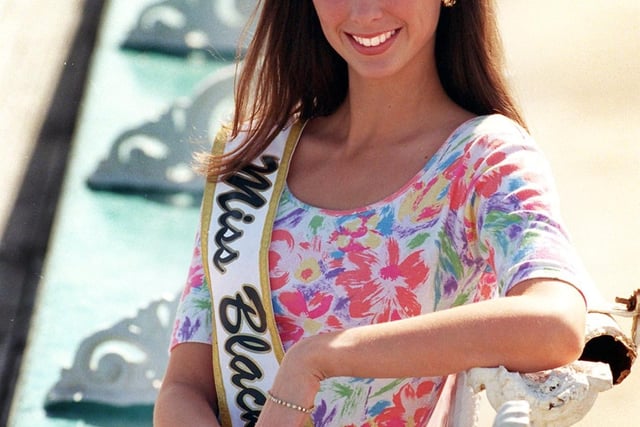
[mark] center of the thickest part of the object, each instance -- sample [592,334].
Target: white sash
[237,222]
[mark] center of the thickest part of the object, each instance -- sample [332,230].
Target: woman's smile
[375,40]
[373,44]
[379,39]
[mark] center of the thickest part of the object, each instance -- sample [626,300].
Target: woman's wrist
[300,373]
[291,398]
[289,405]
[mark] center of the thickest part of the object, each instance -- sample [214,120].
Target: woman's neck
[379,111]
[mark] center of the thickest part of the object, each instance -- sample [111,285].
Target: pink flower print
[491,259]
[486,286]
[302,316]
[458,173]
[422,203]
[308,267]
[195,277]
[357,234]
[308,270]
[281,243]
[490,181]
[408,409]
[289,330]
[383,289]
[470,229]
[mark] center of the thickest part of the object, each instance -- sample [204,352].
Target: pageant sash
[237,222]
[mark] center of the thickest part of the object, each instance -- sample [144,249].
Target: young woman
[415,232]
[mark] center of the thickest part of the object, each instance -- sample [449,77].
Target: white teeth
[374,41]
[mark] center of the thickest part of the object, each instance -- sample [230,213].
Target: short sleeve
[518,220]
[193,316]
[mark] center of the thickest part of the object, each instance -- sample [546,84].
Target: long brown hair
[290,70]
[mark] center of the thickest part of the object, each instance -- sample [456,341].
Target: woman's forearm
[538,329]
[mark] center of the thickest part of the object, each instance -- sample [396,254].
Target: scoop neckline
[433,160]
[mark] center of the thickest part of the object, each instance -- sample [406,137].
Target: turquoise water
[109,255]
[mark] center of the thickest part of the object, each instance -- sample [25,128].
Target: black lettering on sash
[251,413]
[247,185]
[251,312]
[234,312]
[245,368]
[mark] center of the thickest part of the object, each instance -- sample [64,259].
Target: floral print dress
[480,217]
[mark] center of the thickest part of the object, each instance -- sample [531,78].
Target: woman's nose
[365,11]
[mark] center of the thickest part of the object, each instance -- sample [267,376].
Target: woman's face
[380,38]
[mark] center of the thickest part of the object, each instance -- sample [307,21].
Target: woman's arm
[540,325]
[187,397]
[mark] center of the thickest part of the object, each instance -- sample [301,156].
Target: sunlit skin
[396,114]
[395,117]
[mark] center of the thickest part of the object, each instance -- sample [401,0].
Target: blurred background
[83,257]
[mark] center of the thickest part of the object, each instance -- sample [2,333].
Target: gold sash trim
[236,213]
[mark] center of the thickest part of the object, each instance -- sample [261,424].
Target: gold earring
[448,3]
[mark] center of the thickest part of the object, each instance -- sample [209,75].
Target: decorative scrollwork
[155,158]
[558,397]
[121,366]
[181,27]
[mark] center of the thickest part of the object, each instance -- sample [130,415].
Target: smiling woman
[377,218]
[358,31]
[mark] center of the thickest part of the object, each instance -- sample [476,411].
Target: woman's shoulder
[494,132]
[484,139]
[491,125]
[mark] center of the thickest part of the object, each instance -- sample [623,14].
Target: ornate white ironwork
[557,398]
[514,413]
[181,27]
[563,396]
[155,158]
[122,365]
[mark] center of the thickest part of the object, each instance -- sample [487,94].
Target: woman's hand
[297,382]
